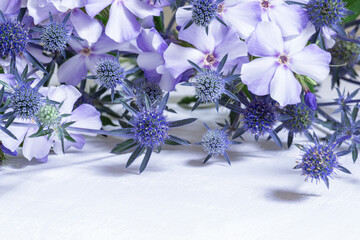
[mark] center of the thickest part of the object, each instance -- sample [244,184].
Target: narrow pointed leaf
[146,159]
[207,158]
[162,104]
[5,130]
[179,140]
[343,169]
[134,155]
[122,147]
[222,63]
[182,122]
[276,138]
[227,159]
[34,61]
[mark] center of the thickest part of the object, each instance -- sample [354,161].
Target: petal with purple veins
[285,88]
[73,70]
[176,59]
[122,25]
[266,40]
[312,61]
[258,74]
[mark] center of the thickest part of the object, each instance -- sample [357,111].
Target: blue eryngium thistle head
[152,90]
[203,12]
[48,115]
[13,38]
[150,127]
[326,13]
[319,161]
[215,142]
[25,101]
[209,85]
[260,116]
[345,52]
[301,117]
[54,37]
[109,73]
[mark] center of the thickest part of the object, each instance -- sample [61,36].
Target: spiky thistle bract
[148,130]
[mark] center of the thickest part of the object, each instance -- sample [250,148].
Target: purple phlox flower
[209,50]
[241,15]
[85,116]
[273,72]
[88,55]
[151,60]
[87,28]
[123,25]
[10,6]
[291,19]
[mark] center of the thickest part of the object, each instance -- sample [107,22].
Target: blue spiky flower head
[109,73]
[25,101]
[209,85]
[345,52]
[55,37]
[14,37]
[301,117]
[152,90]
[319,161]
[327,13]
[48,115]
[260,116]
[215,142]
[203,12]
[150,127]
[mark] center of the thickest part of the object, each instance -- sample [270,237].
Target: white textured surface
[90,195]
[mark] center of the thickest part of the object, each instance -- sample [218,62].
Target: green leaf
[353,5]
[106,121]
[146,159]
[122,147]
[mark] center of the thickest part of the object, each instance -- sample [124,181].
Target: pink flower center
[220,8]
[283,59]
[209,59]
[86,51]
[265,4]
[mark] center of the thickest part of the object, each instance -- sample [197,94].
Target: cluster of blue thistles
[203,12]
[215,142]
[109,73]
[326,12]
[301,117]
[209,85]
[13,38]
[260,116]
[25,101]
[54,37]
[150,127]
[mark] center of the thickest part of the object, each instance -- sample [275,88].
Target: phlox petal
[258,74]
[311,61]
[284,87]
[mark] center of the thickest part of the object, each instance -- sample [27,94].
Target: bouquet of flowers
[65,64]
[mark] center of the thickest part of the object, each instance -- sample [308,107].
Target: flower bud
[310,100]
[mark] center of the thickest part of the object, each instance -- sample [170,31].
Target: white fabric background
[90,195]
